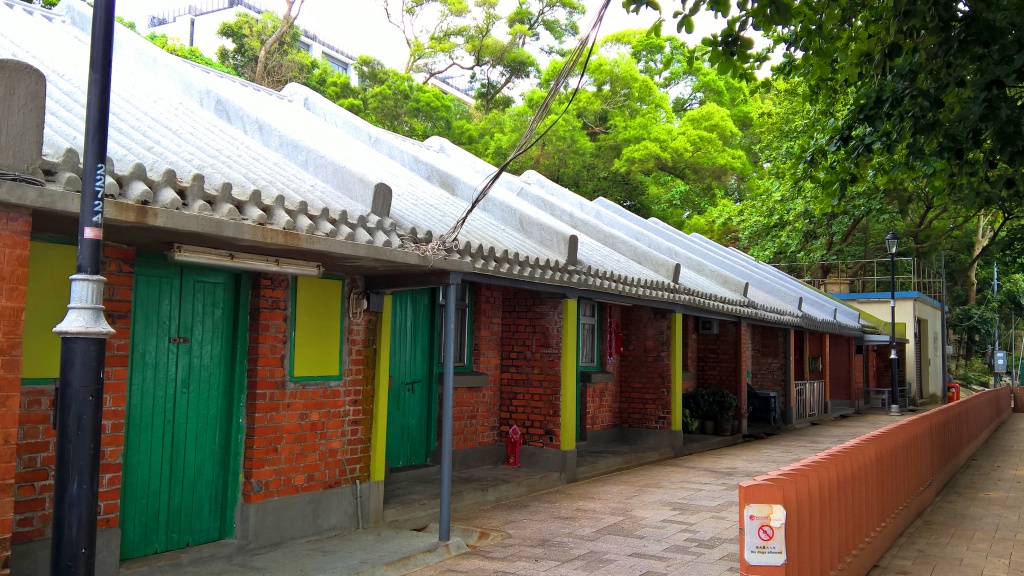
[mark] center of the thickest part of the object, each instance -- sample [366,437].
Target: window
[46,303]
[463,340]
[317,328]
[336,64]
[589,335]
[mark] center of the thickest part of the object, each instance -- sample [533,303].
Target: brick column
[826,370]
[744,340]
[15,230]
[790,415]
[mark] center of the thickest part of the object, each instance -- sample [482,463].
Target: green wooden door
[413,393]
[183,397]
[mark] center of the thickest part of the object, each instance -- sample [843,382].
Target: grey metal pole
[995,298]
[83,334]
[945,358]
[444,523]
[894,409]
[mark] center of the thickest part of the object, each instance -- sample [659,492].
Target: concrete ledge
[470,379]
[476,457]
[696,443]
[33,558]
[596,377]
[306,515]
[550,460]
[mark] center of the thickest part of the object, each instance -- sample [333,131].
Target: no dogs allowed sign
[764,534]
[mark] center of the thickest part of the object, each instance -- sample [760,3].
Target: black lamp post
[890,244]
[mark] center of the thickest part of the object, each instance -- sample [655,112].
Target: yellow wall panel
[317,333]
[46,303]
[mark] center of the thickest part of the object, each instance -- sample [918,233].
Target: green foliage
[190,53]
[453,35]
[48,4]
[689,422]
[973,373]
[285,61]
[126,23]
[710,403]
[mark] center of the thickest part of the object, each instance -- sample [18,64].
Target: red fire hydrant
[952,392]
[513,442]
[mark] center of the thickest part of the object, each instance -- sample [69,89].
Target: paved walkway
[974,528]
[676,517]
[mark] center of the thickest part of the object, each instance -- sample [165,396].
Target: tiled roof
[187,138]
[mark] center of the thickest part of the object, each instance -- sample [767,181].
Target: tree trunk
[287,21]
[982,235]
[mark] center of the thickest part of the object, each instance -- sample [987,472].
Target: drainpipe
[444,523]
[83,334]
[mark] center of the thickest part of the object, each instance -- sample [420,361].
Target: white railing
[810,399]
[881,398]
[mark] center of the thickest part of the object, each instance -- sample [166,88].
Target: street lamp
[890,245]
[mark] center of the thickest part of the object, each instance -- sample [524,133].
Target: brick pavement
[974,526]
[677,517]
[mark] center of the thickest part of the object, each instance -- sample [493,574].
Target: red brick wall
[816,349]
[36,439]
[842,377]
[882,365]
[531,351]
[646,376]
[476,410]
[689,352]
[717,358]
[302,437]
[602,398]
[15,229]
[799,355]
[768,370]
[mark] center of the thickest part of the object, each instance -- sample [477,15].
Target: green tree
[190,53]
[448,36]
[255,54]
[938,84]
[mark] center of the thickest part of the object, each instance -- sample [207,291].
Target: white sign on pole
[764,534]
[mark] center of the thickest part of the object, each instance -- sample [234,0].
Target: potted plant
[689,422]
[698,403]
[723,404]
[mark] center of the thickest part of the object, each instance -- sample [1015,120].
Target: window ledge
[596,377]
[466,379]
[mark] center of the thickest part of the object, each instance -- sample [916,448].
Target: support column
[826,370]
[677,371]
[791,376]
[381,385]
[676,393]
[444,522]
[743,352]
[570,382]
[855,399]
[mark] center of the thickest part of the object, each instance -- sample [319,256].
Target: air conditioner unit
[707,326]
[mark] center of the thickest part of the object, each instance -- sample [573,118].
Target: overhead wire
[583,50]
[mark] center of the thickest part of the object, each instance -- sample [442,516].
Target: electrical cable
[583,51]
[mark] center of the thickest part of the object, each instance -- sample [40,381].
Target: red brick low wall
[846,506]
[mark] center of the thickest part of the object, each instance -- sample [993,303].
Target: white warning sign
[764,534]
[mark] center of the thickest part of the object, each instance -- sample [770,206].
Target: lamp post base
[894,410]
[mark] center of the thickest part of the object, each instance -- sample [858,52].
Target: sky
[360,26]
